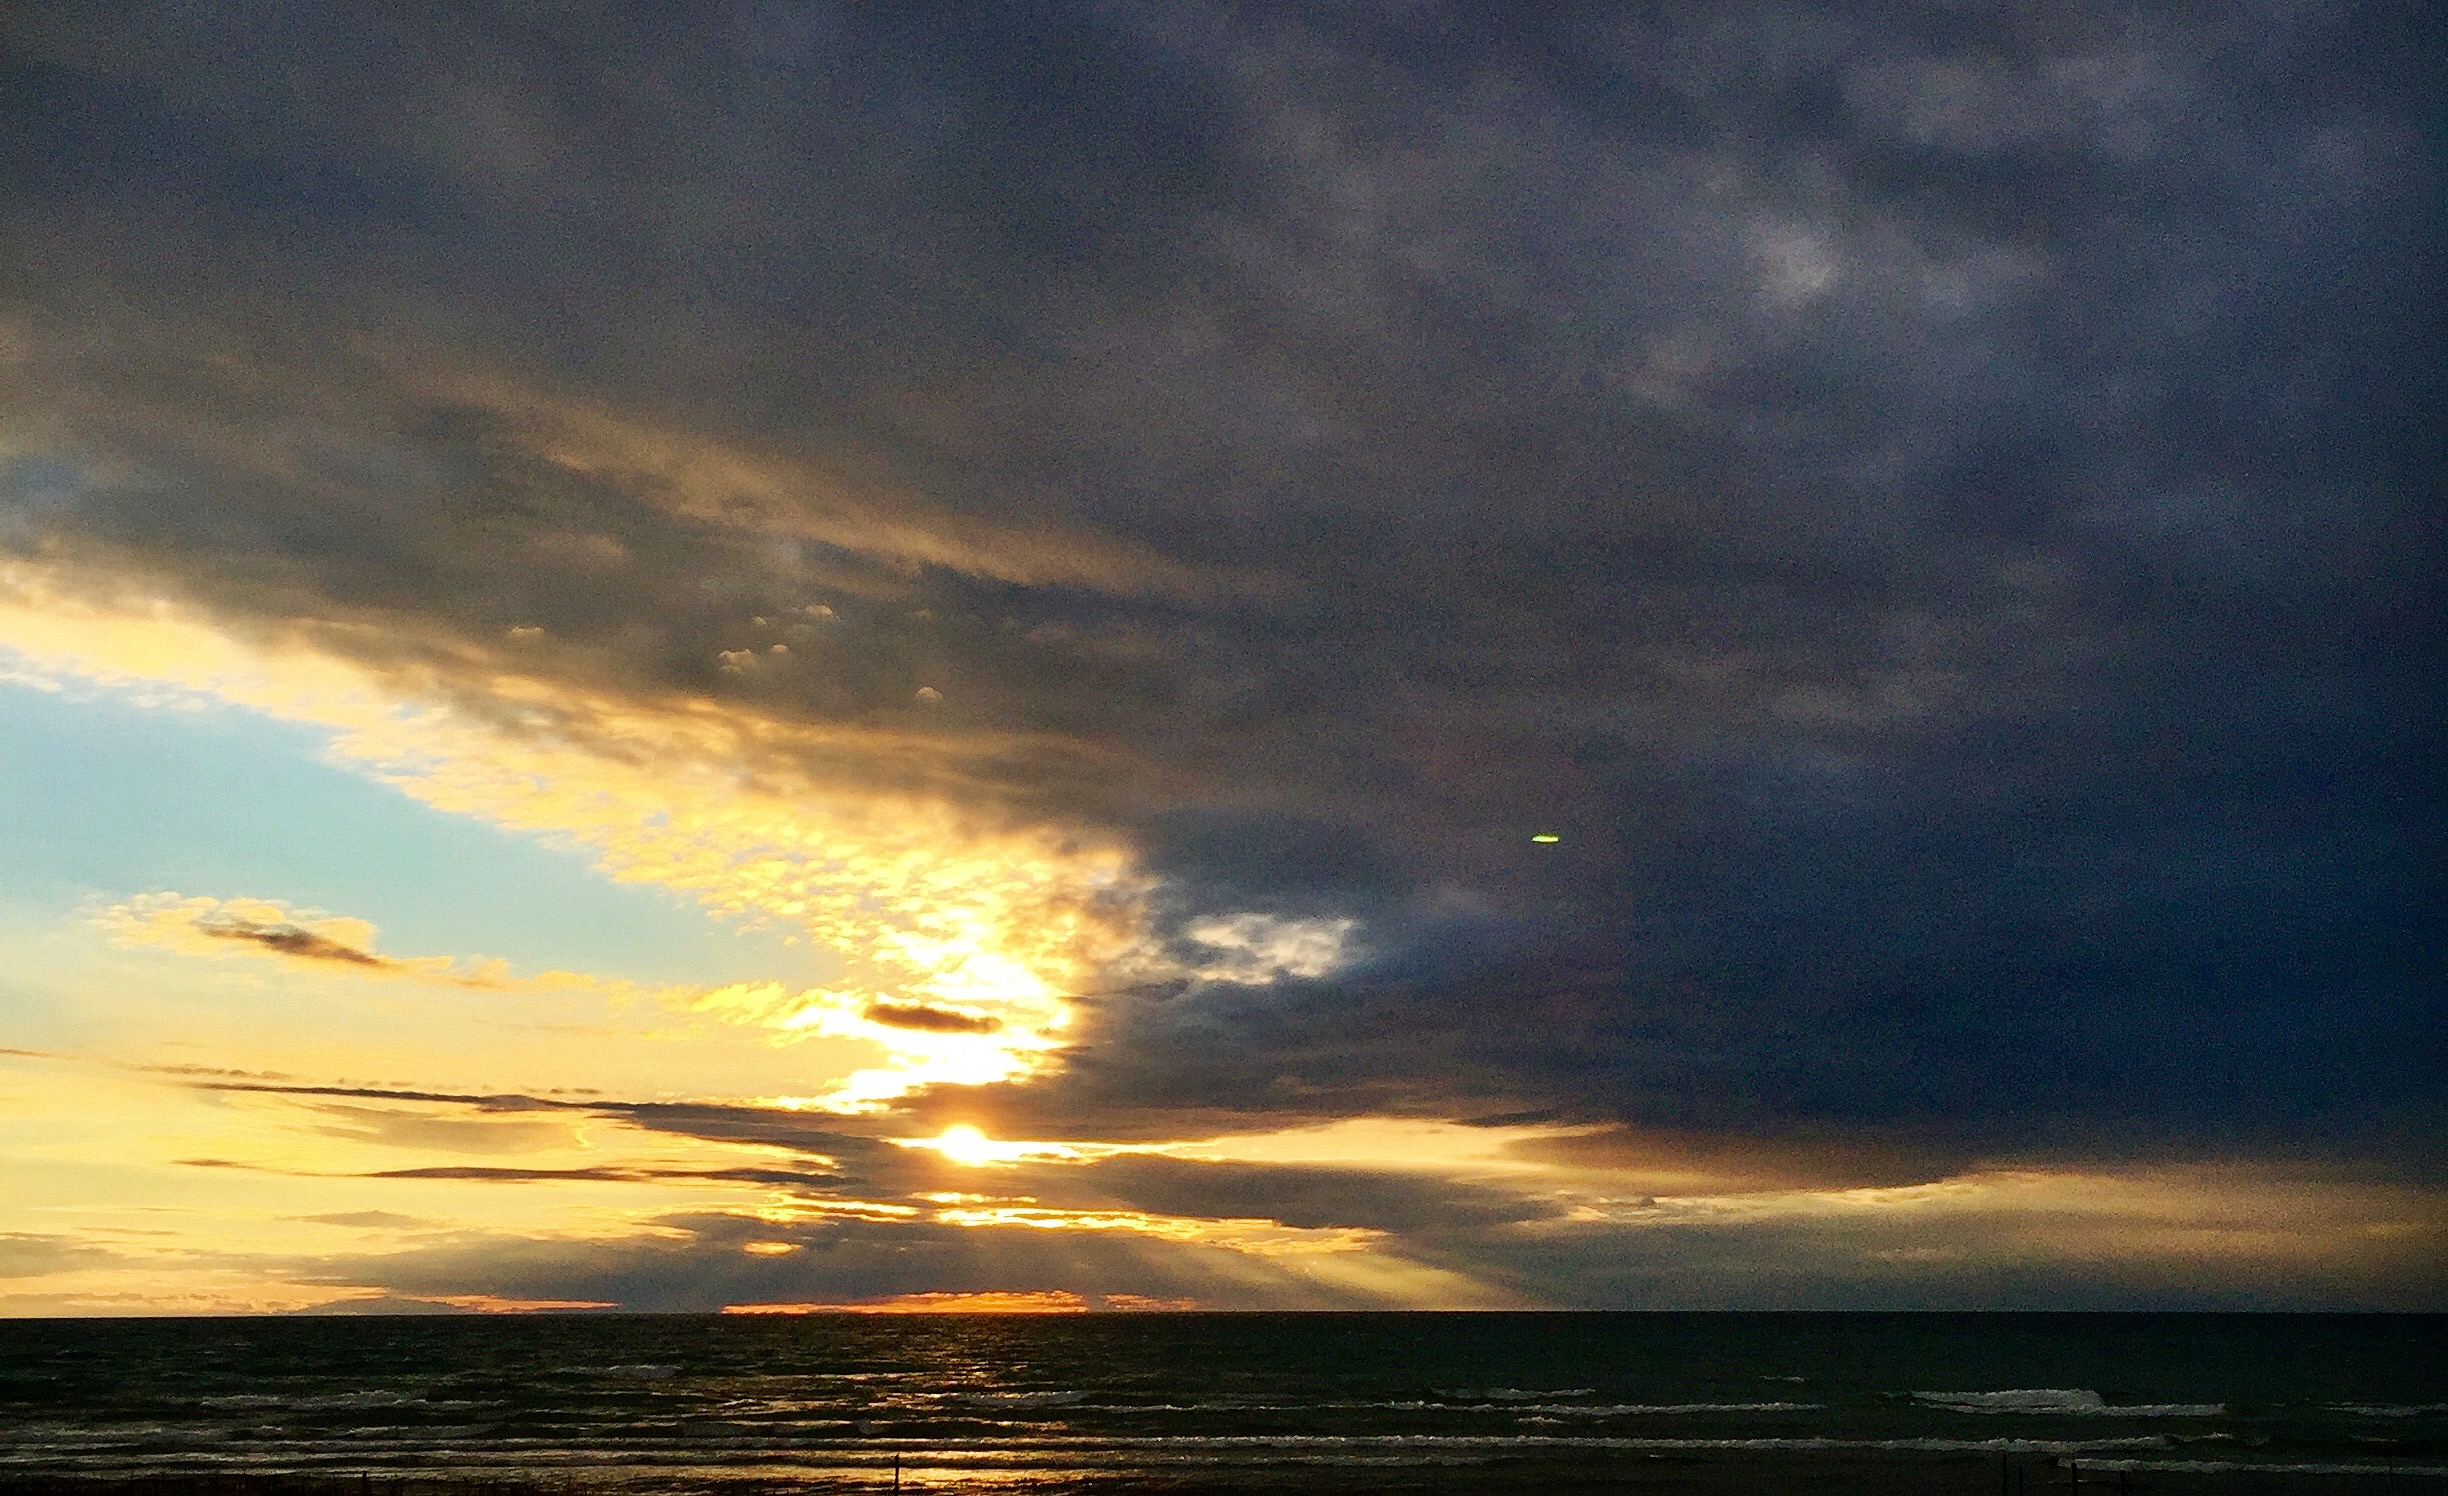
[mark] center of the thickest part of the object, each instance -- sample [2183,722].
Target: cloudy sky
[1119,655]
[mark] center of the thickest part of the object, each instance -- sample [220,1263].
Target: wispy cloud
[267,927]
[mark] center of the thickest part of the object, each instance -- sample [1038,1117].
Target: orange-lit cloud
[988,1302]
[965,1145]
[486,1303]
[961,936]
[1255,1238]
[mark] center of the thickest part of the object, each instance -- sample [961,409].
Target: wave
[1498,1442]
[1020,1399]
[2227,1467]
[335,1402]
[2389,1410]
[1624,1410]
[1509,1394]
[2067,1400]
[1572,1410]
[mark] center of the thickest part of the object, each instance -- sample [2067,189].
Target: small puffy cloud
[1261,948]
[1796,267]
[931,1020]
[929,696]
[989,1026]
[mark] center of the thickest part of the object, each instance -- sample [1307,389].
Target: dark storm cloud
[1935,508]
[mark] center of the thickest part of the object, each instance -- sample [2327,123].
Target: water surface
[1261,1401]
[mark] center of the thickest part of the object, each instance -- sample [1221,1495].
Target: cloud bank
[1122,523]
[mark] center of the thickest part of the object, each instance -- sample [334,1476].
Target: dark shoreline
[1727,1474]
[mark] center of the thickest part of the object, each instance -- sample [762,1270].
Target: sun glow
[1043,1301]
[965,1145]
[958,935]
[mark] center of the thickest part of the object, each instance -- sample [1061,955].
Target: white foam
[1021,1399]
[2225,1467]
[334,1402]
[1626,1410]
[1498,1442]
[1571,1410]
[2064,1400]
[2389,1410]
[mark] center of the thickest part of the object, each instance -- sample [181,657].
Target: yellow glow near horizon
[992,1301]
[1252,1236]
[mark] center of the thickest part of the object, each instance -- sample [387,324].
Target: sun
[964,1144]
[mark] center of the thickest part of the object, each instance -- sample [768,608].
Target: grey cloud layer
[1936,507]
[1721,1236]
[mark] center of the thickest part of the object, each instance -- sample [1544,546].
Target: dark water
[1461,1402]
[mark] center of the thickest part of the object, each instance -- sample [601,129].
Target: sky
[1174,655]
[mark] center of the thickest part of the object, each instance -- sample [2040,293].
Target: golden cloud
[1042,1301]
[934,906]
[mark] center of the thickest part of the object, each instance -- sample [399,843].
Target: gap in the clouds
[101,796]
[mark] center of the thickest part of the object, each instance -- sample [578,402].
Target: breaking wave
[2061,1400]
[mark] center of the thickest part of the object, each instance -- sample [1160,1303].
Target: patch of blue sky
[102,798]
